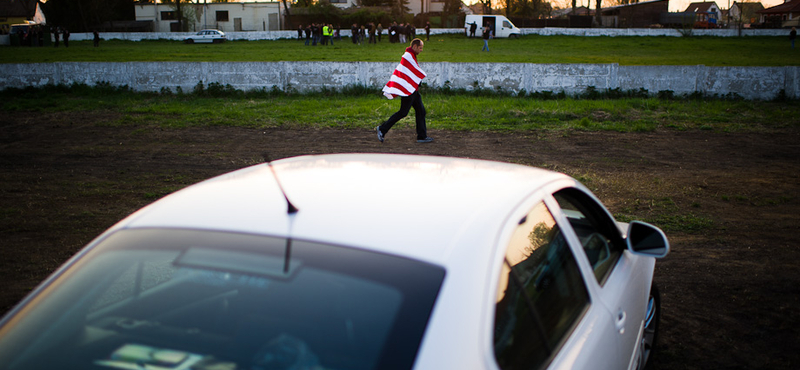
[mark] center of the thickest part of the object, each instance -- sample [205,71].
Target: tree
[451,8]
[85,15]
[597,12]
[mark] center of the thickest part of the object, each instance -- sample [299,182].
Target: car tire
[189,41]
[651,326]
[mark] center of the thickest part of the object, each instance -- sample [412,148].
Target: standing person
[354,33]
[371,33]
[300,32]
[55,35]
[325,34]
[380,31]
[487,33]
[314,34]
[404,83]
[472,28]
[427,31]
[66,38]
[96,38]
[308,34]
[792,36]
[401,32]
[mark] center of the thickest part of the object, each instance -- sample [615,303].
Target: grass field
[481,111]
[710,51]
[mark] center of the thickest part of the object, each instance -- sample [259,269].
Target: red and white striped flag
[406,77]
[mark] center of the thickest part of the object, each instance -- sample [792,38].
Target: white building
[415,6]
[227,17]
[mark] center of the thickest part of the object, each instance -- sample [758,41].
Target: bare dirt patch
[729,203]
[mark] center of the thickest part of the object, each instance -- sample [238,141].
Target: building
[638,15]
[705,7]
[227,17]
[744,13]
[18,12]
[415,6]
[784,15]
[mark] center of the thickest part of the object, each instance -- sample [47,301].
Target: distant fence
[754,83]
[549,31]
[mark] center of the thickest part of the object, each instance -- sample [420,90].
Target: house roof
[634,4]
[748,7]
[18,8]
[792,6]
[701,7]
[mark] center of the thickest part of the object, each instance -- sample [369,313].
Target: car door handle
[621,318]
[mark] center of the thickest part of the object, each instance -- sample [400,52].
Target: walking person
[792,36]
[427,31]
[487,33]
[405,83]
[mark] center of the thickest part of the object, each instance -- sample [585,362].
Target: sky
[674,5]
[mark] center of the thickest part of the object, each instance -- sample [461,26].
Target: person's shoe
[380,134]
[425,140]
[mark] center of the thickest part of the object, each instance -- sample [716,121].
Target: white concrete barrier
[549,31]
[753,83]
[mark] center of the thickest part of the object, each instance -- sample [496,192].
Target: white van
[501,26]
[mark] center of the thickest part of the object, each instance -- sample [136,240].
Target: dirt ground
[730,287]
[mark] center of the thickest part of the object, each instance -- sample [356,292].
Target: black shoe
[425,140]
[380,134]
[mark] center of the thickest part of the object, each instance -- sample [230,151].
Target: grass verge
[639,50]
[360,107]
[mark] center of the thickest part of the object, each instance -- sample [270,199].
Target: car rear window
[209,300]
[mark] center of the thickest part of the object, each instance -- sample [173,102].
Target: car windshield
[170,299]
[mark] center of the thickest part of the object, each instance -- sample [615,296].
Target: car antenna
[291,210]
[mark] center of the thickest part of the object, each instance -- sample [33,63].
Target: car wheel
[651,326]
[189,41]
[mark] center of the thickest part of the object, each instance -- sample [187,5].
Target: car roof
[420,207]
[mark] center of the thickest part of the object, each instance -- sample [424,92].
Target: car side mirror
[647,240]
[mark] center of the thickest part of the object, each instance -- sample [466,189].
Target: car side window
[541,294]
[597,233]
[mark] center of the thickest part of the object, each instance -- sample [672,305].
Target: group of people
[318,33]
[34,35]
[324,34]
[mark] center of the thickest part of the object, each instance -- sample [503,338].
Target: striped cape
[406,77]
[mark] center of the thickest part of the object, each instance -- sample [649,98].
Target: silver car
[206,36]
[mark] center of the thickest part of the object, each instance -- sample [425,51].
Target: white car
[207,36]
[353,261]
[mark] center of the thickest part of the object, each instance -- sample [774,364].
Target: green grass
[476,111]
[710,51]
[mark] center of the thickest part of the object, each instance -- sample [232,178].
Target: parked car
[207,36]
[353,261]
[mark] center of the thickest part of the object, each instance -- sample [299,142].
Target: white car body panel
[386,203]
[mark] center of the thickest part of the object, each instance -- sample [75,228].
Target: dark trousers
[406,103]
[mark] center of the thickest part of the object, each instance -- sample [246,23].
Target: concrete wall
[755,83]
[550,31]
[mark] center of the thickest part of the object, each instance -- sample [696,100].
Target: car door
[544,316]
[618,279]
